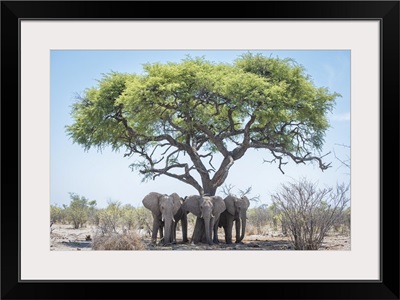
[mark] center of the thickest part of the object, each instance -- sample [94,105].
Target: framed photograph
[274,109]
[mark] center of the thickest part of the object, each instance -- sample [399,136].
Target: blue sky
[106,176]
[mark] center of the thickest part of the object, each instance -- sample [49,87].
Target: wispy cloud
[341,117]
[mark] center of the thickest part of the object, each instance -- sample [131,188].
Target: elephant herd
[211,212]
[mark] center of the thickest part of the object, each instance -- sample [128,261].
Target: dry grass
[115,241]
[257,230]
[66,238]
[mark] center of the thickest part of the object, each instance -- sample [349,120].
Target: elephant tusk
[173,219]
[212,216]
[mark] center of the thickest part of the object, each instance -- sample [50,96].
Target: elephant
[167,212]
[236,209]
[207,209]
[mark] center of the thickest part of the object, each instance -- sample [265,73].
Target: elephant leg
[161,230]
[228,232]
[156,226]
[184,228]
[174,232]
[198,230]
[215,239]
[203,235]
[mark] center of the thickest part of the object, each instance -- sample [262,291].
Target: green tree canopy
[175,118]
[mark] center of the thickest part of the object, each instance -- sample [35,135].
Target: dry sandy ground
[65,238]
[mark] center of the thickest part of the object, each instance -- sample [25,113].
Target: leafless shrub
[309,213]
[227,190]
[110,218]
[116,241]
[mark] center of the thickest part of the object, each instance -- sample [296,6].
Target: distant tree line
[82,212]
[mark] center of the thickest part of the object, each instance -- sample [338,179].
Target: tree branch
[218,142]
[296,159]
[184,177]
[238,152]
[221,174]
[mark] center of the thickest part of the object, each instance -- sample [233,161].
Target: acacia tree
[192,120]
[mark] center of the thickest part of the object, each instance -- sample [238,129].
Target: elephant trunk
[163,219]
[207,225]
[168,225]
[243,228]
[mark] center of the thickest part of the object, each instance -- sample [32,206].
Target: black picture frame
[387,12]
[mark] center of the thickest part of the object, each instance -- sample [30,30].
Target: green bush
[58,214]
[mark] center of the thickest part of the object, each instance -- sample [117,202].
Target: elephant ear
[177,202]
[151,202]
[218,205]
[192,204]
[246,201]
[230,204]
